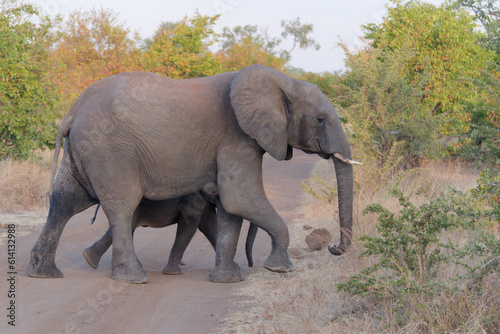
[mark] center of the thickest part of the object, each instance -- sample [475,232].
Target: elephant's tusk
[347,161]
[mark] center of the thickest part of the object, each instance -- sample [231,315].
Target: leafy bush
[485,247]
[408,248]
[412,248]
[445,41]
[482,146]
[391,127]
[26,97]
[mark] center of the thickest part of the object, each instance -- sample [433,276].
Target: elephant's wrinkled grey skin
[188,212]
[169,138]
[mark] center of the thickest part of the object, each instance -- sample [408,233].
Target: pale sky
[331,19]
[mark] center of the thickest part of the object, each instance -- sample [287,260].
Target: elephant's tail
[62,132]
[95,213]
[252,233]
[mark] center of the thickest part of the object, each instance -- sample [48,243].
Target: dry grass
[24,183]
[307,301]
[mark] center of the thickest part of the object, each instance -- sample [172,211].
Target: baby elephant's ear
[260,103]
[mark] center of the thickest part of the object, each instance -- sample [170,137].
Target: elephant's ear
[259,100]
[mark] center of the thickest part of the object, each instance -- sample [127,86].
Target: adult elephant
[188,212]
[137,135]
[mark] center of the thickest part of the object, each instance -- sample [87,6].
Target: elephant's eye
[321,120]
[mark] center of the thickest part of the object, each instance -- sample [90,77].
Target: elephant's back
[140,97]
[167,131]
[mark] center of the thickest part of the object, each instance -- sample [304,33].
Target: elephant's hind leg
[69,198]
[94,253]
[191,210]
[185,232]
[125,265]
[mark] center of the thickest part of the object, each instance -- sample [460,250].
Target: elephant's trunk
[343,170]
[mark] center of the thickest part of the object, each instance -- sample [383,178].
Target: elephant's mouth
[325,156]
[321,154]
[319,151]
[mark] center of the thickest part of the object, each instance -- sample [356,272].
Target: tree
[444,41]
[487,12]
[165,27]
[244,45]
[182,50]
[328,82]
[93,45]
[299,32]
[250,33]
[391,126]
[26,97]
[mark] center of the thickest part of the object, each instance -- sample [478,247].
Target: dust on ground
[26,223]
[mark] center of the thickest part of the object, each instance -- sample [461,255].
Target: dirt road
[88,301]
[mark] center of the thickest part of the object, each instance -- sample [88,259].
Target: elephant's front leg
[228,231]
[241,192]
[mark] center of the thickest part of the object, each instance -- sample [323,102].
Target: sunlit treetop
[181,50]
[444,39]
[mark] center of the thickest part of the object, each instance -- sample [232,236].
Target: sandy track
[88,301]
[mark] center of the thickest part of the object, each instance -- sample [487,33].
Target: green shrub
[412,248]
[26,98]
[408,248]
[391,127]
[482,146]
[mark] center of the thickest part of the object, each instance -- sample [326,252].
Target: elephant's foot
[129,274]
[92,257]
[43,271]
[278,264]
[171,269]
[221,275]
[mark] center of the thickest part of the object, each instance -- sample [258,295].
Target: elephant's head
[280,112]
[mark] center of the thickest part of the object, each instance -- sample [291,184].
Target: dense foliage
[486,13]
[90,46]
[391,125]
[182,52]
[26,96]
[444,41]
[426,75]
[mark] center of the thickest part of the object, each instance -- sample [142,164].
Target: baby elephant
[188,212]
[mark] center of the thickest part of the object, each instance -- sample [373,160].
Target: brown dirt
[88,301]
